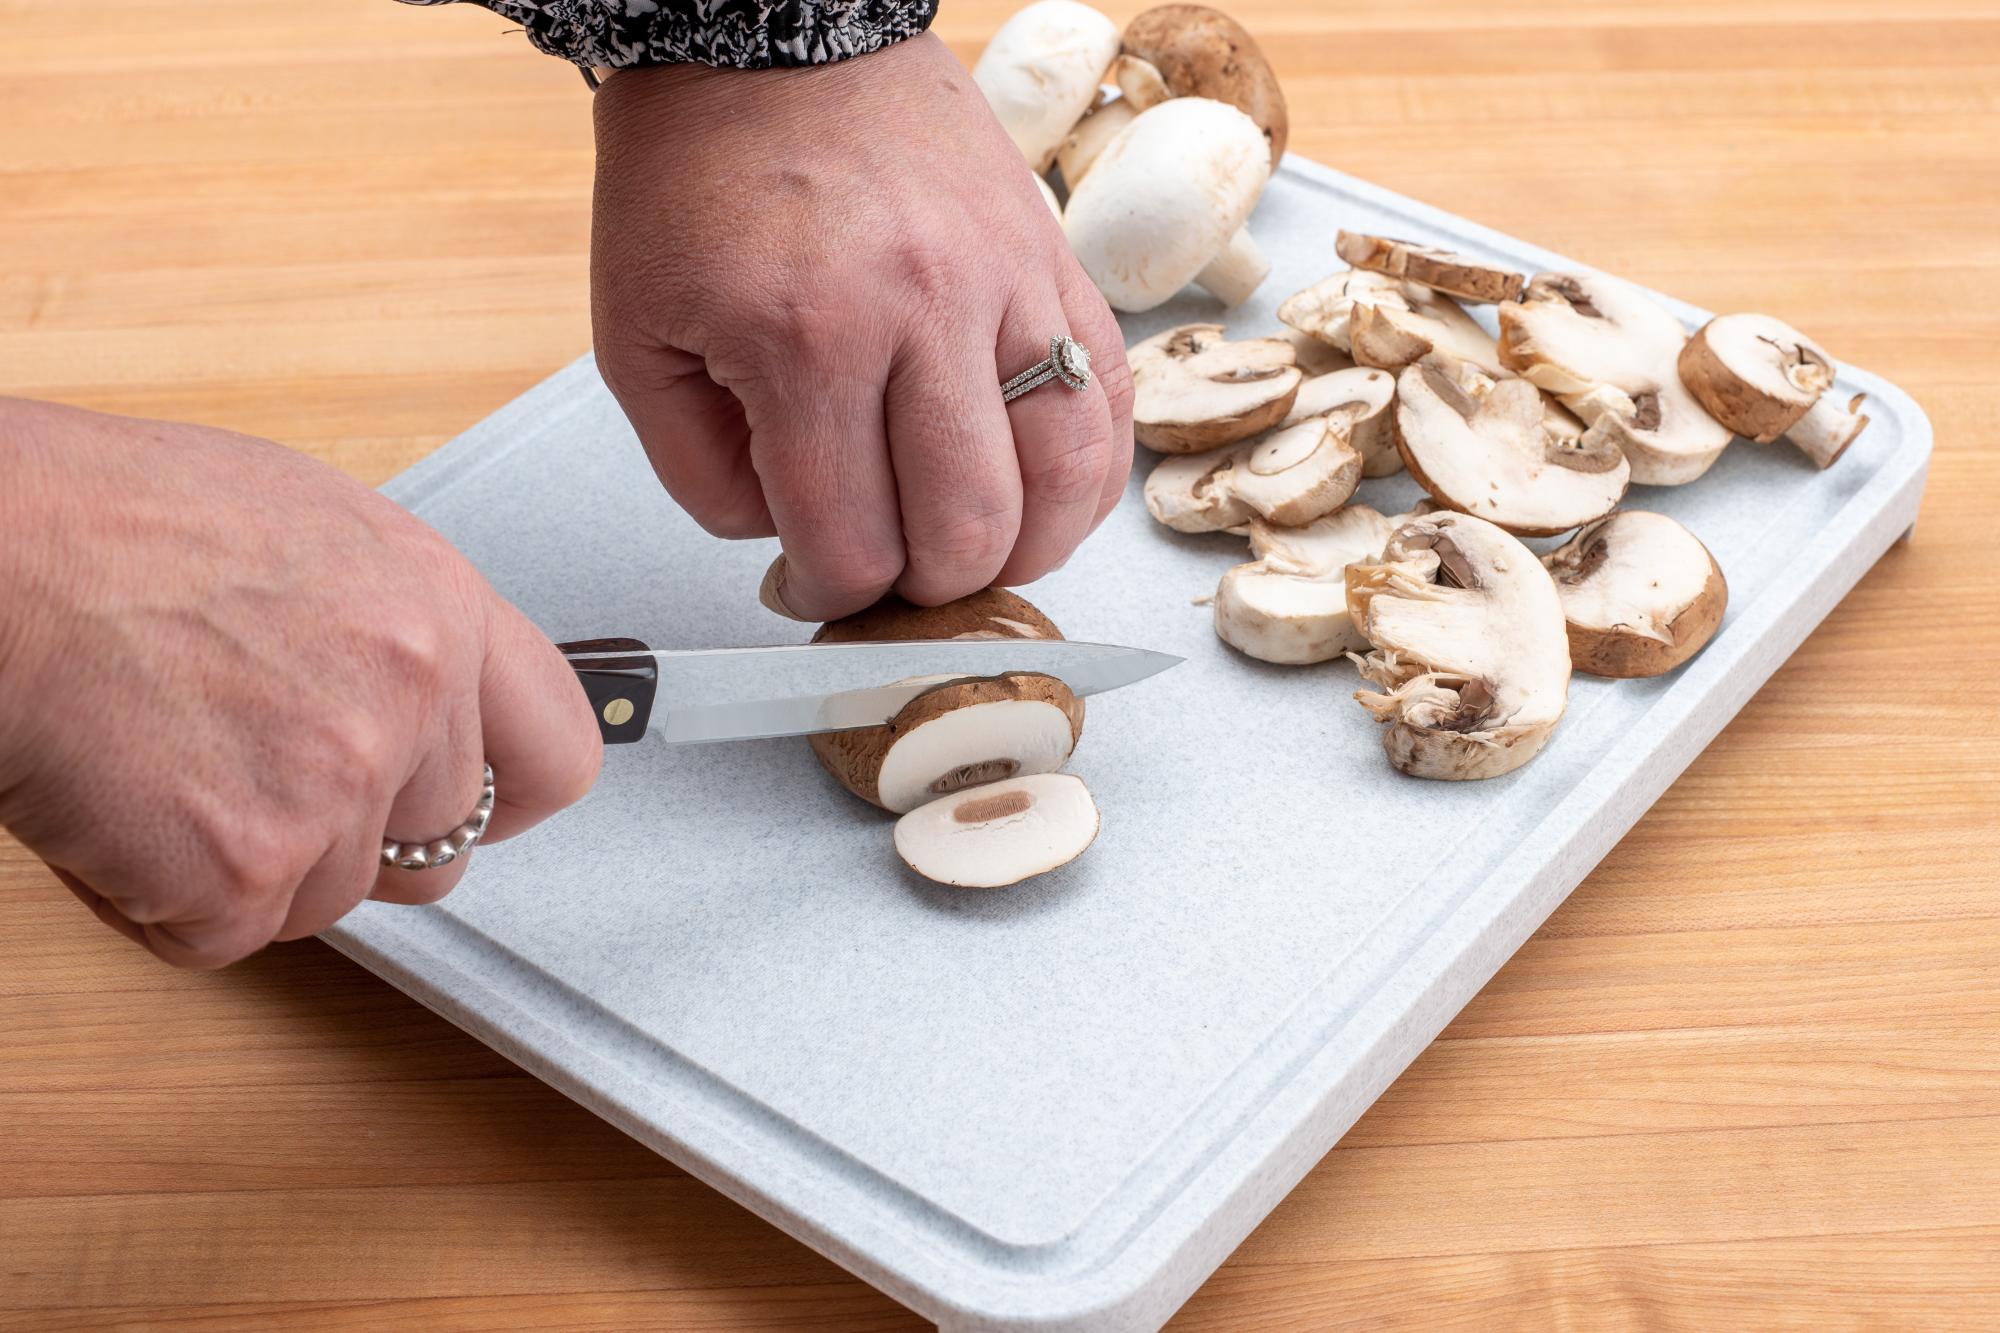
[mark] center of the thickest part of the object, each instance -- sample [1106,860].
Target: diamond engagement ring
[443,851]
[1068,361]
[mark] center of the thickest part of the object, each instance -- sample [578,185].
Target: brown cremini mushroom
[999,834]
[1201,52]
[1468,647]
[1193,390]
[1387,323]
[1760,377]
[1640,594]
[1440,270]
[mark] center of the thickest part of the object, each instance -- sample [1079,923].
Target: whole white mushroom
[1041,72]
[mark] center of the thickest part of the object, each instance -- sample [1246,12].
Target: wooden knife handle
[621,689]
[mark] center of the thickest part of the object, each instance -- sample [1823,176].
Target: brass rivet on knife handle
[620,689]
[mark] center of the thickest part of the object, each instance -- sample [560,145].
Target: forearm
[734,34]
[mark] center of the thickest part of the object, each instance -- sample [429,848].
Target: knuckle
[1070,477]
[973,542]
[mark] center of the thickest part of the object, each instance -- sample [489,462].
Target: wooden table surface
[1748,1076]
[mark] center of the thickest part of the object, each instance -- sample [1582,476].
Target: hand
[226,671]
[809,284]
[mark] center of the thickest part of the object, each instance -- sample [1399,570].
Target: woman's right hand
[227,672]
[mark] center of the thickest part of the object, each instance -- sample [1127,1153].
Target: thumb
[541,739]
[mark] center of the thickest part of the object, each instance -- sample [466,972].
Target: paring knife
[731,694]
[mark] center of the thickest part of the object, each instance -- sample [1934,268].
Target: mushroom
[1440,270]
[1165,202]
[1315,355]
[1827,428]
[1194,390]
[1362,396]
[1611,354]
[1298,472]
[1290,604]
[1088,136]
[1483,446]
[1196,51]
[959,733]
[1049,198]
[1640,593]
[1141,83]
[1760,377]
[1191,492]
[1042,70]
[999,834]
[1468,648]
[1388,323]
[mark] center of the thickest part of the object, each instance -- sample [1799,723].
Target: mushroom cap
[1361,395]
[1640,594]
[1192,493]
[1484,447]
[1202,52]
[1444,271]
[1754,374]
[1315,356]
[1193,390]
[1388,323]
[1290,604]
[1296,473]
[1468,646]
[962,732]
[1611,354]
[1164,197]
[1041,72]
[999,834]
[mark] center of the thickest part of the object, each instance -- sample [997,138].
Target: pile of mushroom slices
[1164,136]
[1468,635]
[971,765]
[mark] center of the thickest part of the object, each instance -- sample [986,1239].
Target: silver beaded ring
[443,851]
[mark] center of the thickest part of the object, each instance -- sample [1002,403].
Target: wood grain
[1749,1076]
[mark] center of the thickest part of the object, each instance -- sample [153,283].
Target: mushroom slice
[1195,51]
[1164,204]
[1468,648]
[960,733]
[1298,472]
[1484,447]
[999,834]
[1315,356]
[1611,354]
[1764,379]
[1388,323]
[1290,604]
[1193,390]
[1641,594]
[1041,72]
[1440,270]
[1191,492]
[1360,396]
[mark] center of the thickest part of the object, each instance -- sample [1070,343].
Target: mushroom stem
[1827,428]
[1234,274]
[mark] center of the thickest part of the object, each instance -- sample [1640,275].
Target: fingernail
[772,591]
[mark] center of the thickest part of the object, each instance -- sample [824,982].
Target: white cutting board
[1057,1106]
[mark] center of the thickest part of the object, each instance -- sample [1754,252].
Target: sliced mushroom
[1041,72]
[961,733]
[1315,356]
[1298,472]
[999,834]
[1165,202]
[1191,492]
[1611,354]
[1761,377]
[1440,270]
[1088,137]
[1483,446]
[1193,390]
[1640,593]
[1388,323]
[1468,648]
[1201,52]
[1360,396]
[1290,604]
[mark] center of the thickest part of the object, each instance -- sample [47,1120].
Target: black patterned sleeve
[734,34]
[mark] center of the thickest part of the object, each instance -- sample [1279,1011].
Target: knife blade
[723,694]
